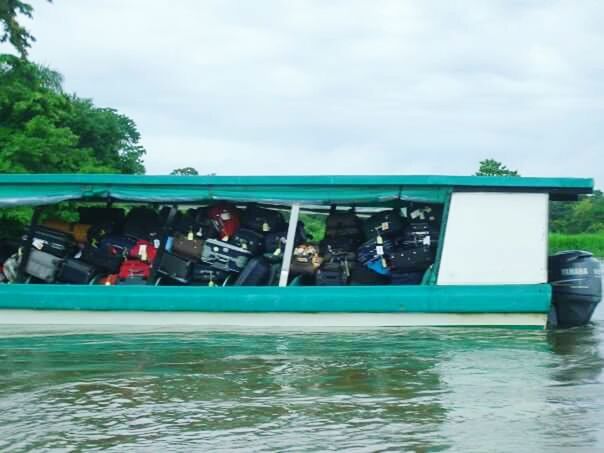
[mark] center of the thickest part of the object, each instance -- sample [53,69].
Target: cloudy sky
[397,87]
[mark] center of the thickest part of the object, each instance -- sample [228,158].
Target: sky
[341,87]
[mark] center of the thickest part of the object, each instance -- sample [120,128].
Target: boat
[491,265]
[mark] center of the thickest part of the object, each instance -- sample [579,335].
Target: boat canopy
[45,189]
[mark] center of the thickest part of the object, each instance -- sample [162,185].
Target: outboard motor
[576,279]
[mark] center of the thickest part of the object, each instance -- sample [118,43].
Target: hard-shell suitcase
[175,267]
[385,223]
[205,274]
[416,259]
[363,276]
[406,278]
[43,266]
[76,271]
[102,258]
[134,268]
[249,240]
[256,273]
[224,255]
[189,246]
[143,223]
[262,220]
[51,241]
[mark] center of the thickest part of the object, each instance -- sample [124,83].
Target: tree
[491,167]
[44,130]
[12,31]
[186,171]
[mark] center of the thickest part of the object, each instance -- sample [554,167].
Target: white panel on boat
[495,238]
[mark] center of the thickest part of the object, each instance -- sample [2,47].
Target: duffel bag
[343,224]
[106,259]
[76,271]
[262,220]
[143,223]
[416,259]
[134,269]
[385,223]
[332,274]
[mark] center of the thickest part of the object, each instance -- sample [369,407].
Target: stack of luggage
[224,245]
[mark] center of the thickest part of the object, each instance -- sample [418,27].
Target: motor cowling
[576,279]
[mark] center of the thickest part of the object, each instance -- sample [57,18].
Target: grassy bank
[592,242]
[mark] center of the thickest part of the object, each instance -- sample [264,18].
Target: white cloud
[342,86]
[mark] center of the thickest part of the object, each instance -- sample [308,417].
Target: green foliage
[592,242]
[491,167]
[585,216]
[186,171]
[314,224]
[11,30]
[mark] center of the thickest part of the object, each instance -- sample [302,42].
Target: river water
[382,390]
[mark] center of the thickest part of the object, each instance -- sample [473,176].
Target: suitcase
[144,251]
[99,215]
[363,276]
[374,249]
[43,266]
[406,278]
[134,268]
[332,274]
[262,220]
[102,258]
[343,224]
[249,240]
[143,223]
[256,273]
[118,244]
[416,259]
[52,241]
[188,246]
[203,273]
[418,234]
[338,245]
[175,267]
[76,271]
[226,219]
[385,223]
[224,255]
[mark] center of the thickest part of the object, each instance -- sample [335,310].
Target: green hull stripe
[346,299]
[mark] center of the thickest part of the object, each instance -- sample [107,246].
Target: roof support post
[163,240]
[289,244]
[27,244]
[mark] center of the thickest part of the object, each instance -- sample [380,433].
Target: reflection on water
[414,389]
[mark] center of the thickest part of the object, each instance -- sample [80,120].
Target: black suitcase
[385,223]
[262,220]
[416,259]
[343,224]
[224,255]
[256,273]
[102,258]
[332,274]
[418,234]
[362,276]
[76,271]
[338,245]
[205,274]
[374,249]
[143,223]
[101,215]
[249,240]
[52,241]
[406,278]
[175,267]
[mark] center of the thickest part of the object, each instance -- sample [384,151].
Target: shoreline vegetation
[591,242]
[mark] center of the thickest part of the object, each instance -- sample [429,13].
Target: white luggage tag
[156,243]
[385,226]
[190,236]
[199,232]
[266,227]
[416,214]
[426,241]
[225,215]
[142,252]
[38,244]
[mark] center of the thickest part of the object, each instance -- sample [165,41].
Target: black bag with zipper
[344,224]
[175,267]
[385,223]
[102,258]
[262,220]
[416,259]
[52,241]
[256,273]
[76,271]
[204,274]
[332,274]
[249,240]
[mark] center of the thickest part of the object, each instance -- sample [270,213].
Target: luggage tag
[426,241]
[38,244]
[417,214]
[266,227]
[190,236]
[142,252]
[156,243]
[199,233]
[385,226]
